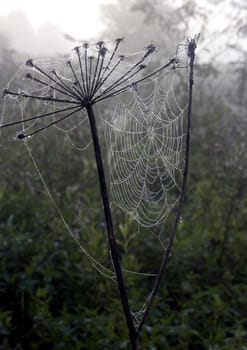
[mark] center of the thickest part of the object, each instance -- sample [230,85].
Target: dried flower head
[93,73]
[29,62]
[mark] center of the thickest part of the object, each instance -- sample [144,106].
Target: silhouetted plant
[98,78]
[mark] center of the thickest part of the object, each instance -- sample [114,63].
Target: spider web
[145,138]
[144,134]
[36,114]
[56,77]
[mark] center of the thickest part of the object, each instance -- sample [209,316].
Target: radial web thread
[144,134]
[145,142]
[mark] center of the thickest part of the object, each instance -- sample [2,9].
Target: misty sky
[38,27]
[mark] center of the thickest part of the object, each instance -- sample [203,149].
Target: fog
[47,39]
[50,295]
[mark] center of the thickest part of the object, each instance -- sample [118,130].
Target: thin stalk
[126,75]
[124,80]
[118,41]
[37,117]
[33,65]
[108,75]
[75,76]
[29,76]
[63,85]
[110,232]
[95,72]
[77,50]
[90,72]
[76,90]
[98,77]
[54,122]
[191,53]
[119,91]
[107,67]
[86,70]
[37,97]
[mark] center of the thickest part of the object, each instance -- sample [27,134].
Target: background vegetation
[50,295]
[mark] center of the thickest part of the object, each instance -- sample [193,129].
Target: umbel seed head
[21,136]
[118,40]
[100,44]
[85,45]
[5,92]
[84,83]
[77,49]
[29,63]
[150,49]
[28,76]
[103,51]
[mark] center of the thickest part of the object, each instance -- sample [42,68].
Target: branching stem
[110,231]
[191,53]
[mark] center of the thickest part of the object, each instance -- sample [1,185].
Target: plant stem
[110,232]
[191,53]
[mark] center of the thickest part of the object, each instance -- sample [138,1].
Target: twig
[110,231]
[191,54]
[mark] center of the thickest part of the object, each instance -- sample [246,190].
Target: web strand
[145,140]
[145,134]
[99,267]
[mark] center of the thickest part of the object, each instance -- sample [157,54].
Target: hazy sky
[82,20]
[76,17]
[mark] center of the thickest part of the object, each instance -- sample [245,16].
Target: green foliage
[52,297]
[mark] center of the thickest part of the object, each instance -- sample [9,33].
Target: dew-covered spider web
[139,109]
[145,138]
